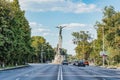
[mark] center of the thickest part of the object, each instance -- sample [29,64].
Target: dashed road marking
[18,79]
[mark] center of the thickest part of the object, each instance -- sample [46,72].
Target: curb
[17,67]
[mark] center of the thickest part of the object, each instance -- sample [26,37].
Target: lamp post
[103,48]
[42,54]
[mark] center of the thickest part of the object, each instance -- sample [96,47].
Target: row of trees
[108,31]
[16,44]
[14,34]
[108,39]
[42,50]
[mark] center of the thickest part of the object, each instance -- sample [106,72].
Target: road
[60,72]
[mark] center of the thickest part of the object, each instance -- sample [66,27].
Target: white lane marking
[18,79]
[60,75]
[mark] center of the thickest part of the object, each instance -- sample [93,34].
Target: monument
[58,57]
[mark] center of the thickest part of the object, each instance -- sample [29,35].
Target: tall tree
[43,50]
[15,34]
[108,30]
[81,39]
[5,32]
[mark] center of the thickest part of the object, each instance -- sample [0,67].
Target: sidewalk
[16,67]
[108,67]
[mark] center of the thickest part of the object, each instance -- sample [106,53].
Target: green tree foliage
[71,58]
[81,39]
[110,27]
[43,50]
[15,34]
[16,44]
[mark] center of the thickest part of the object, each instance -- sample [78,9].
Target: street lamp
[103,54]
[42,54]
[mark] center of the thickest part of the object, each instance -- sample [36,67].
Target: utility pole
[103,55]
[42,54]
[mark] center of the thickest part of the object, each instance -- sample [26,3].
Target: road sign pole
[103,55]
[103,60]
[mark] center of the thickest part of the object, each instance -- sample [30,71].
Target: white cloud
[76,27]
[45,34]
[39,29]
[43,30]
[73,25]
[57,5]
[35,25]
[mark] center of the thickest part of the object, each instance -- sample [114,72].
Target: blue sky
[77,15]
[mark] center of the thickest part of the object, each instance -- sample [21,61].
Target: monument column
[58,57]
[60,38]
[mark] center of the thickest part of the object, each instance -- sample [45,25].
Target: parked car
[65,62]
[81,63]
[86,63]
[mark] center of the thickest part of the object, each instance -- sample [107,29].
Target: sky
[78,15]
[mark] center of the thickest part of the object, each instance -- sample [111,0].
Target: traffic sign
[103,53]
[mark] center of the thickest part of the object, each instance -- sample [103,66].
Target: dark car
[81,63]
[65,62]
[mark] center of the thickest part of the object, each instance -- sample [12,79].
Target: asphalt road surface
[60,72]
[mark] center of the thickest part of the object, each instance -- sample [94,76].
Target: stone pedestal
[58,59]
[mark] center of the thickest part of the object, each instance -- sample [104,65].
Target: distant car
[75,63]
[65,62]
[81,63]
[86,63]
